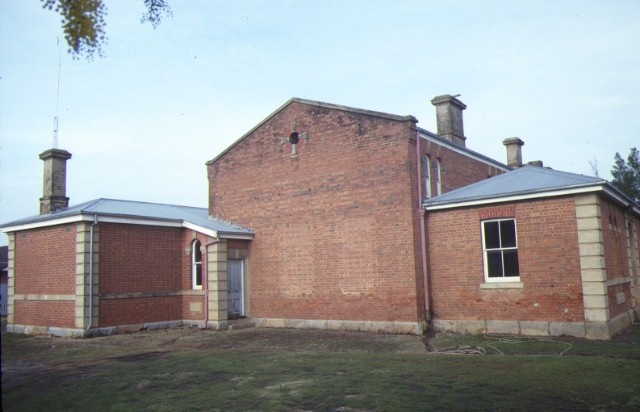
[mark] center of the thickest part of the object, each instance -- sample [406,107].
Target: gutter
[423,249]
[603,187]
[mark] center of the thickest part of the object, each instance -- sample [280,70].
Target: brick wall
[336,229]
[188,237]
[115,312]
[548,256]
[45,261]
[45,313]
[192,306]
[457,170]
[614,234]
[153,262]
[136,258]
[615,240]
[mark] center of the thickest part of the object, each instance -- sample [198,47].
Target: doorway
[235,288]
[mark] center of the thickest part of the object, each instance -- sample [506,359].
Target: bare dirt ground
[251,339]
[259,340]
[33,359]
[148,358]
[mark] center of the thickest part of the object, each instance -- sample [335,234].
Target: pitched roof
[132,212]
[424,134]
[432,137]
[524,183]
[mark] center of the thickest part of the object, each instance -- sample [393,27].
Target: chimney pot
[449,118]
[54,182]
[514,151]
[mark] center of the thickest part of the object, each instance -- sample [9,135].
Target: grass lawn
[291,370]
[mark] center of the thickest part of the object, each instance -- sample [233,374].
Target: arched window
[438,177]
[196,265]
[426,176]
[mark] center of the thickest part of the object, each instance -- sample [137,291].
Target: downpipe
[423,249]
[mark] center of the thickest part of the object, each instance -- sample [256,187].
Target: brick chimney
[449,116]
[514,151]
[54,181]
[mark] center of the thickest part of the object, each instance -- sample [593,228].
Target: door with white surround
[235,288]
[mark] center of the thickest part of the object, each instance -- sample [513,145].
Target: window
[500,248]
[438,177]
[426,175]
[196,265]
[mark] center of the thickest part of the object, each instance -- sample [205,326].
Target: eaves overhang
[128,220]
[605,188]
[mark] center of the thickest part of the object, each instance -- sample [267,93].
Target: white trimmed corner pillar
[593,267]
[217,285]
[11,278]
[86,303]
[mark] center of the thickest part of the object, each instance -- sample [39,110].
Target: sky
[564,76]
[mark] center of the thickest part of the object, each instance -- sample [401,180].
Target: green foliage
[155,9]
[83,22]
[626,175]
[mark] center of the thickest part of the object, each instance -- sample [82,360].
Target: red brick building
[338,215]
[111,265]
[537,252]
[354,224]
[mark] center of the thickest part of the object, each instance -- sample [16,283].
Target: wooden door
[235,288]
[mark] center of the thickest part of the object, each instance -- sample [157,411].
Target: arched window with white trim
[426,176]
[196,265]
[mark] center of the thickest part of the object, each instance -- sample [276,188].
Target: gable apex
[315,103]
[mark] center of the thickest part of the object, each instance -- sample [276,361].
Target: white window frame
[426,174]
[501,249]
[195,265]
[438,177]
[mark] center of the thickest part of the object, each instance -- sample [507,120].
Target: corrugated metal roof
[522,181]
[139,210]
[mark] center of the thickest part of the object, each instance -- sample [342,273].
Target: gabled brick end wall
[335,227]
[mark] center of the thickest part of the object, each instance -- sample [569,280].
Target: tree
[626,175]
[83,22]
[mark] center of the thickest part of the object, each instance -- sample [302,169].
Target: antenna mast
[55,118]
